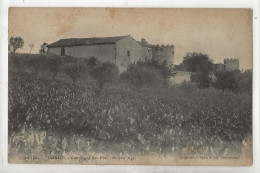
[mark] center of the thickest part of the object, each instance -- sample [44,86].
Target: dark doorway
[62,51]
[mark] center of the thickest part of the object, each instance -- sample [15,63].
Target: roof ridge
[94,37]
[86,41]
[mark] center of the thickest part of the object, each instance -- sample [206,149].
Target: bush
[37,64]
[138,76]
[197,62]
[245,82]
[74,70]
[55,65]
[150,73]
[102,73]
[201,66]
[188,86]
[19,63]
[164,69]
[226,80]
[92,61]
[201,79]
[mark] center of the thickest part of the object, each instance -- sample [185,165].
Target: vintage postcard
[130,86]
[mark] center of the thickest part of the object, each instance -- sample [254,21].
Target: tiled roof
[85,41]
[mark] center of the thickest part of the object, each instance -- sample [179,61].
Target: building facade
[218,67]
[121,50]
[159,52]
[231,64]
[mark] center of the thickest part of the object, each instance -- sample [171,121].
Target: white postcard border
[5,167]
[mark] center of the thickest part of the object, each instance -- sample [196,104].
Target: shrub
[245,82]
[188,86]
[44,48]
[149,73]
[18,63]
[197,62]
[102,73]
[164,69]
[139,75]
[226,80]
[201,66]
[37,64]
[92,61]
[201,79]
[74,70]
[46,65]
[54,65]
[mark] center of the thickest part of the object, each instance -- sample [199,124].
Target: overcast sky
[220,33]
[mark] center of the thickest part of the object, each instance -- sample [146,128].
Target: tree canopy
[227,80]
[197,62]
[15,43]
[102,72]
[149,73]
[43,49]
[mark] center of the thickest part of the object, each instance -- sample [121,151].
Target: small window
[128,53]
[172,52]
[62,51]
[148,50]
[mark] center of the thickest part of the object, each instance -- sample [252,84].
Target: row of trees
[156,74]
[17,43]
[101,72]
[204,76]
[50,65]
[149,73]
[142,74]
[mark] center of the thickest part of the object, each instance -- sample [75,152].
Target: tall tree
[43,49]
[74,69]
[31,47]
[15,43]
[197,62]
[104,73]
[226,80]
[201,66]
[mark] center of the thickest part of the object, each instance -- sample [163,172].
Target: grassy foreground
[53,117]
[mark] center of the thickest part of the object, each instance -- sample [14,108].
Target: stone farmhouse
[119,50]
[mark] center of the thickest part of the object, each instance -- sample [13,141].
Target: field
[51,116]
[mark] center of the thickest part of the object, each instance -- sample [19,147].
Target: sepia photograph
[130,86]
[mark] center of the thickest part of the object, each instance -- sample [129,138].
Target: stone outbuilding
[119,50]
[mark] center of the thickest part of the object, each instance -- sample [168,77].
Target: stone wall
[104,52]
[231,64]
[127,52]
[147,53]
[163,53]
[180,77]
[54,50]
